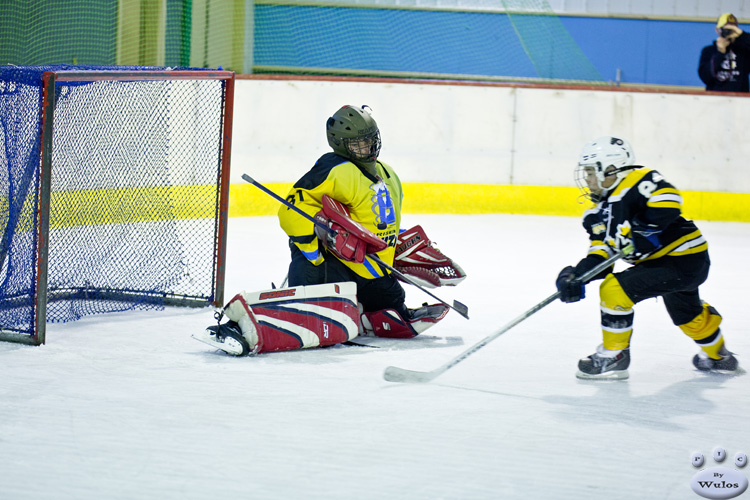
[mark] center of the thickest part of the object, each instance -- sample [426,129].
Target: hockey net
[114,187]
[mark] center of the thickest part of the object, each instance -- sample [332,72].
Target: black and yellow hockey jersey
[643,194]
[373,201]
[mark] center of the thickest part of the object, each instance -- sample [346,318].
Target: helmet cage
[365,147]
[585,171]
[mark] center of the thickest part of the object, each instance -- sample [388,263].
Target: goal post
[113,193]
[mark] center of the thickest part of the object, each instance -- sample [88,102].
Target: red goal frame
[50,78]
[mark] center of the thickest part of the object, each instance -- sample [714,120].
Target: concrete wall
[497,135]
[678,8]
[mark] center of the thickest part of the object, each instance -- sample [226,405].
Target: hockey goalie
[343,218]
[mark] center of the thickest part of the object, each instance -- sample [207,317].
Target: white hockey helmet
[600,160]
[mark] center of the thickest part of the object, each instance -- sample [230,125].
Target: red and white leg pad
[285,319]
[419,259]
[390,324]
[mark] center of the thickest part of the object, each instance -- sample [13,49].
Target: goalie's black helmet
[353,134]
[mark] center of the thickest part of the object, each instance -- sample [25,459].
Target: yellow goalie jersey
[373,201]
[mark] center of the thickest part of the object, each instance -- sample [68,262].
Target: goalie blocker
[302,317]
[346,238]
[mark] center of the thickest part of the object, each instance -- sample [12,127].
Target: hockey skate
[227,337]
[727,364]
[605,365]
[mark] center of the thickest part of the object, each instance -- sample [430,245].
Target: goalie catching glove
[419,259]
[348,239]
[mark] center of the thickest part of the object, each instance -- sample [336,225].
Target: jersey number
[292,198]
[646,188]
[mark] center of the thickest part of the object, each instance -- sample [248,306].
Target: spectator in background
[725,64]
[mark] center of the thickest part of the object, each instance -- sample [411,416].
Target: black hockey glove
[570,287]
[645,238]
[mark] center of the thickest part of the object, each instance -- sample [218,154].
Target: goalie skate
[419,258]
[226,337]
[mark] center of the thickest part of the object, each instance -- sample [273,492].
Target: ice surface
[129,406]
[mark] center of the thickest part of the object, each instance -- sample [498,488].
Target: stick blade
[395,374]
[461,309]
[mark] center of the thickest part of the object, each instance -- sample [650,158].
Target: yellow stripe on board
[134,204]
[246,200]
[137,204]
[489,199]
[420,198]
[729,207]
[425,198]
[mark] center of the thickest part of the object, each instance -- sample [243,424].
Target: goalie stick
[395,374]
[457,306]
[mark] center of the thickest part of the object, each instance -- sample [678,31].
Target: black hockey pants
[675,279]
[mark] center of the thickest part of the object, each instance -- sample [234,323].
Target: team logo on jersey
[382,205]
[623,237]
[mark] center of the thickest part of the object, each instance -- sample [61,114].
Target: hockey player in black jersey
[636,205]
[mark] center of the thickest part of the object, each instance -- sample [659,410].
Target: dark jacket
[726,72]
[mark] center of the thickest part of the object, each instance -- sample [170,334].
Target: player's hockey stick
[457,306]
[395,374]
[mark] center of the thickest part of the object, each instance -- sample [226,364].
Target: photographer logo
[719,482]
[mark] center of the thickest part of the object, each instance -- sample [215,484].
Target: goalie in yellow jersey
[360,197]
[336,290]
[636,208]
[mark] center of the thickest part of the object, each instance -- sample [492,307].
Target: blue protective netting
[497,43]
[133,212]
